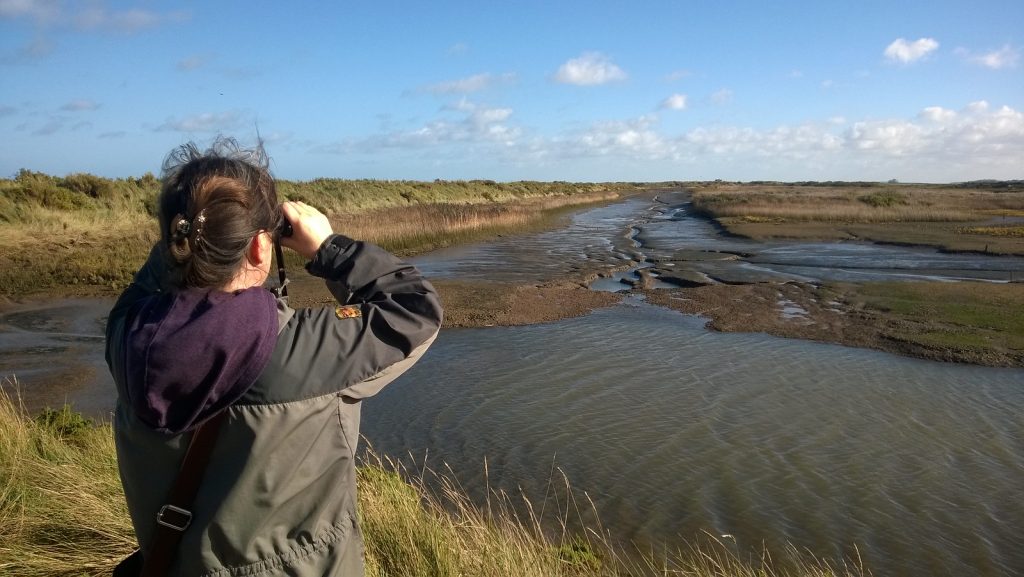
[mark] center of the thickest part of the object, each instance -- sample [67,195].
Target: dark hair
[211,206]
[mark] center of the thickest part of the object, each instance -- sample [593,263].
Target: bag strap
[175,516]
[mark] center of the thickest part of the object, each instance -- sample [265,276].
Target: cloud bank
[937,145]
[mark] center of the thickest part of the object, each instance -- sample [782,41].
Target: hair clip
[200,221]
[183,227]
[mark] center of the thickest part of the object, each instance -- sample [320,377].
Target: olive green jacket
[279,494]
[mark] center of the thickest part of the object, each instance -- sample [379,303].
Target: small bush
[89,185]
[885,199]
[64,423]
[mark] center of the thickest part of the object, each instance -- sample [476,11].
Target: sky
[558,90]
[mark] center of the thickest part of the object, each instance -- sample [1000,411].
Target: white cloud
[474,83]
[591,68]
[937,114]
[205,122]
[938,144]
[976,135]
[905,52]
[635,138]
[458,49]
[675,102]
[80,105]
[478,125]
[1005,57]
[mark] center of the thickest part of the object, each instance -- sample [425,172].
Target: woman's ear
[260,250]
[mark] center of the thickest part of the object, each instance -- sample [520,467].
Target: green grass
[963,315]
[62,512]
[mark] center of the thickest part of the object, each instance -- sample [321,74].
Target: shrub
[884,199]
[89,185]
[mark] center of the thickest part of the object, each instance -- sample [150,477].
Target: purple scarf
[193,352]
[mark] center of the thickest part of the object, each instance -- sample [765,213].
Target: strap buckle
[179,521]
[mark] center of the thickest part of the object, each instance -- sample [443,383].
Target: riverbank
[83,235]
[983,217]
[976,323]
[939,321]
[63,513]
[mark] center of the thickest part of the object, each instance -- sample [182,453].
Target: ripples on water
[673,430]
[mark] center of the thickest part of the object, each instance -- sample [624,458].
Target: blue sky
[574,90]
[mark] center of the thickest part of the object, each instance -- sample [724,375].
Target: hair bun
[179,245]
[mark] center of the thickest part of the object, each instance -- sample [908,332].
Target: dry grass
[881,203]
[1001,231]
[62,512]
[931,215]
[419,228]
[87,235]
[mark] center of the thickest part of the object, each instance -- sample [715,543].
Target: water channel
[673,430]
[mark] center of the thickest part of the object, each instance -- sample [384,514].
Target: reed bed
[855,204]
[86,234]
[62,513]
[418,228]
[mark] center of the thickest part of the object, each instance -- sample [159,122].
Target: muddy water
[639,232]
[54,351]
[671,429]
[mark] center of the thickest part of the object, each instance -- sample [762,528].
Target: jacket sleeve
[386,316]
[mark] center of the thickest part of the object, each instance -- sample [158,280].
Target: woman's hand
[310,228]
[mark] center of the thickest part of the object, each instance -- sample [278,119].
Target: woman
[196,334]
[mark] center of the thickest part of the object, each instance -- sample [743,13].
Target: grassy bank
[964,321]
[983,217]
[86,234]
[62,513]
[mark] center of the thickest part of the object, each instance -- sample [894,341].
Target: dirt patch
[825,314]
[483,304]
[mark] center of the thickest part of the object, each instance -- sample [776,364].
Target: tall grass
[87,233]
[418,228]
[62,512]
[877,204]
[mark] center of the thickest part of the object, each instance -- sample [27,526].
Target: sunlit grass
[89,234]
[974,315]
[854,204]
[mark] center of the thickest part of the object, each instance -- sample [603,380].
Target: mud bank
[831,314]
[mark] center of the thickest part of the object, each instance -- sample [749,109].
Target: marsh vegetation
[983,217]
[86,234]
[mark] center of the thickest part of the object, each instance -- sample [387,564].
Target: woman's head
[212,205]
